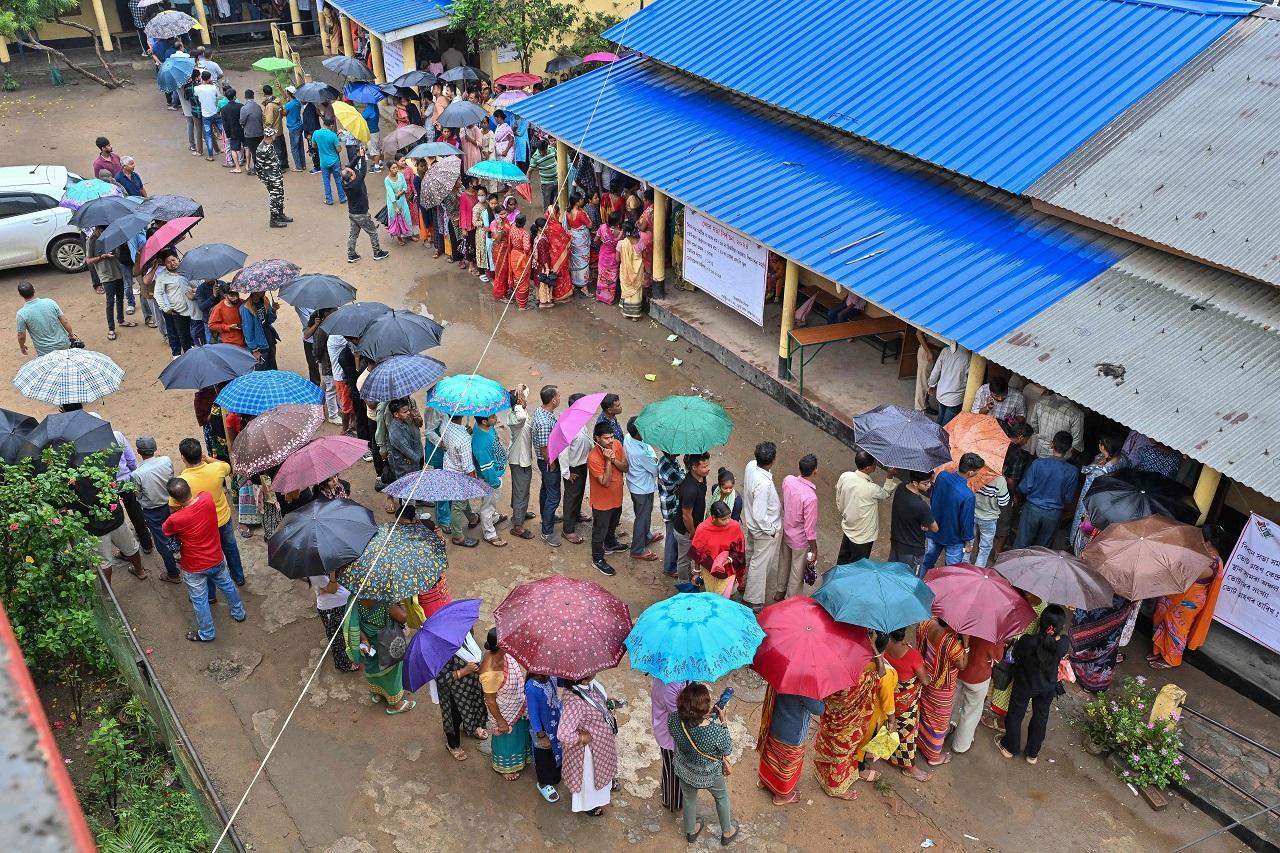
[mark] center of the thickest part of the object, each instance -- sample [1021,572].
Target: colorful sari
[942,665]
[645,224]
[631,276]
[511,752]
[383,677]
[1095,641]
[607,268]
[842,730]
[906,707]
[498,235]
[780,763]
[519,267]
[1181,622]
[398,214]
[481,218]
[1000,698]
[557,243]
[579,247]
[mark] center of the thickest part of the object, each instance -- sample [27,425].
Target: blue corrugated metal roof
[969,265]
[384,17]
[999,90]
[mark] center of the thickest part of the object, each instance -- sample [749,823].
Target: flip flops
[549,793]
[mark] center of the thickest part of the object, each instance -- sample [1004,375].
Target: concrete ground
[347,778]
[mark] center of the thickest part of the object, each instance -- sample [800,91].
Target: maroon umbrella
[318,461]
[978,602]
[564,627]
[270,438]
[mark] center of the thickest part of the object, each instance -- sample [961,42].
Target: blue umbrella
[400,376]
[498,170]
[362,92]
[437,485]
[263,390]
[437,640]
[200,367]
[82,192]
[175,71]
[469,394]
[121,231]
[876,595]
[693,637]
[434,149]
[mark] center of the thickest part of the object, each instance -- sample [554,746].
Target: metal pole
[1227,828]
[1227,728]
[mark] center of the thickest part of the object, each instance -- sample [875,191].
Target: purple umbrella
[437,485]
[437,640]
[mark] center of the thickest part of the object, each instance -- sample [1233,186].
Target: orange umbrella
[1148,557]
[980,434]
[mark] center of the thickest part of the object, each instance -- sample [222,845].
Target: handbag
[390,643]
[548,278]
[725,766]
[884,744]
[1001,674]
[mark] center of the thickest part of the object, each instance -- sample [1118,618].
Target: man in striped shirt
[987,505]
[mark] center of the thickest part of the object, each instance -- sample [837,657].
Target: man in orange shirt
[606,465]
[224,319]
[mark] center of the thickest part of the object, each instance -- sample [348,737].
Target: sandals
[111,334]
[403,708]
[521,533]
[598,811]
[549,793]
[726,840]
[168,579]
[573,538]
[458,754]
[196,638]
[1000,746]
[693,836]
[140,574]
[497,542]
[131,310]
[946,759]
[128,324]
[467,542]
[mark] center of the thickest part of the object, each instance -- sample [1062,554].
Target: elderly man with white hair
[129,179]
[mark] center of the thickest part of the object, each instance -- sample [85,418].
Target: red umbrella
[519,79]
[271,437]
[564,627]
[808,653]
[978,602]
[165,236]
[318,461]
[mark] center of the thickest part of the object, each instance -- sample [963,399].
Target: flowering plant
[1150,752]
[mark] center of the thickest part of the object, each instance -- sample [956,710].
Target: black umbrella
[208,365]
[1129,495]
[462,114]
[352,319]
[463,72]
[102,211]
[414,78]
[346,66]
[122,230]
[211,261]
[399,333]
[563,63]
[14,427]
[321,537]
[316,291]
[902,438]
[169,206]
[317,93]
[84,432]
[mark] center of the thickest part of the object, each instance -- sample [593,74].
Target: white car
[33,228]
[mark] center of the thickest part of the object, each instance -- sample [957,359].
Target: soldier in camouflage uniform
[267,162]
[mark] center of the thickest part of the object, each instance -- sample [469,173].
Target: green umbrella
[271,64]
[684,425]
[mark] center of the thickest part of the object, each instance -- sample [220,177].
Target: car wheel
[67,253]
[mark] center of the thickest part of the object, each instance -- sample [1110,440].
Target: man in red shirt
[971,692]
[607,467]
[195,525]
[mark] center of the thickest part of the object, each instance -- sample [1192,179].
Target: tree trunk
[79,69]
[97,48]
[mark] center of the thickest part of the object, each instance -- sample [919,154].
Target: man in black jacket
[358,208]
[230,113]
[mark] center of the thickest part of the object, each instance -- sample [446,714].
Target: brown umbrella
[981,434]
[271,437]
[1148,557]
[1055,577]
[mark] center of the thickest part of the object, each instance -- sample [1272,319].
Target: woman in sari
[607,267]
[519,268]
[588,741]
[945,654]
[209,416]
[846,724]
[645,226]
[397,204]
[462,707]
[471,138]
[1109,460]
[784,731]
[908,663]
[502,680]
[718,535]
[481,218]
[552,251]
[501,274]
[631,271]
[1095,642]
[384,677]
[580,243]
[1181,622]
[423,215]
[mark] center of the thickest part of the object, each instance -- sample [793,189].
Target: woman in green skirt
[502,680]
[385,677]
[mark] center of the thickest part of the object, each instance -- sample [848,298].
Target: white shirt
[520,450]
[761,506]
[207,95]
[171,292]
[214,69]
[577,451]
[452,58]
[328,600]
[337,343]
[950,374]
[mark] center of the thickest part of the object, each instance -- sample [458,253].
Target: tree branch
[97,46]
[82,71]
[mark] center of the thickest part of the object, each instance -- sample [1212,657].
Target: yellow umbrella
[352,122]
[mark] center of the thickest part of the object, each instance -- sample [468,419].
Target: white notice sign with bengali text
[725,265]
[1250,597]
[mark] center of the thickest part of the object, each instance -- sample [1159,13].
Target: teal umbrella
[693,637]
[498,170]
[470,395]
[876,595]
[684,425]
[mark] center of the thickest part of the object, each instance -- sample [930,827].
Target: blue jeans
[198,591]
[230,550]
[670,550]
[210,122]
[128,286]
[548,497]
[198,335]
[295,145]
[1037,526]
[335,171]
[946,413]
[164,545]
[933,549]
[986,539]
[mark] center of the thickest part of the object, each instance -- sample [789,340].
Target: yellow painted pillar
[294,15]
[275,41]
[204,21]
[790,287]
[4,51]
[375,51]
[659,236]
[298,76]
[409,53]
[562,174]
[103,32]
[324,37]
[977,378]
[1206,489]
[344,26]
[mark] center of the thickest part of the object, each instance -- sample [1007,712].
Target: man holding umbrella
[858,499]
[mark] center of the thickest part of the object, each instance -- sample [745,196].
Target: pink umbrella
[318,461]
[601,56]
[165,236]
[506,99]
[978,602]
[572,421]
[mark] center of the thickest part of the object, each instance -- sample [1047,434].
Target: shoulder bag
[725,766]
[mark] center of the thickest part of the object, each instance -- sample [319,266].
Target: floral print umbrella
[694,637]
[265,275]
[269,439]
[440,180]
[400,561]
[437,485]
[564,627]
[85,191]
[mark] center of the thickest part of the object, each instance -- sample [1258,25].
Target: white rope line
[355,596]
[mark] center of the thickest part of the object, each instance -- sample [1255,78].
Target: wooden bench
[889,345]
[816,337]
[240,28]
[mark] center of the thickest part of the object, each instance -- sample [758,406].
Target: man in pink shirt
[107,158]
[799,528]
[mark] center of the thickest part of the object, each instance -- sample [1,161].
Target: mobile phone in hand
[723,701]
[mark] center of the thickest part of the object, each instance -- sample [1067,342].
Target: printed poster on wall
[507,53]
[725,265]
[1250,597]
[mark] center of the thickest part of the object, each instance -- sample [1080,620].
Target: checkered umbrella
[263,390]
[400,376]
[269,439]
[69,376]
[265,275]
